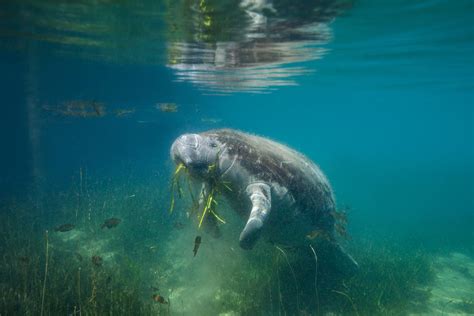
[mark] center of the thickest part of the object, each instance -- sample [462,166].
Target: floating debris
[64,228]
[124,112]
[197,243]
[111,223]
[159,299]
[78,108]
[167,107]
[97,261]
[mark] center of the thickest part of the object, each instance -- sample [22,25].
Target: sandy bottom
[453,290]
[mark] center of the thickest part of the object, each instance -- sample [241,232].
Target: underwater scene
[237,157]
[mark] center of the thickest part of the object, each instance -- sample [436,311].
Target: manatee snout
[196,152]
[185,149]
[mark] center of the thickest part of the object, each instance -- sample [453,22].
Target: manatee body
[279,192]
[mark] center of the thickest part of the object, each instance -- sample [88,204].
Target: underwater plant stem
[207,207]
[80,180]
[280,298]
[316,279]
[45,274]
[92,299]
[294,275]
[350,300]
[79,289]
[80,192]
[175,185]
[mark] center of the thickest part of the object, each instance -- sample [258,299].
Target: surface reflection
[221,46]
[251,45]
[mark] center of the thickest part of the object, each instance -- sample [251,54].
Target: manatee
[280,193]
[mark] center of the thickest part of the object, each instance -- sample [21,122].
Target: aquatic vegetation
[167,107]
[390,281]
[64,286]
[78,108]
[209,196]
[175,185]
[316,292]
[145,268]
[46,273]
[210,204]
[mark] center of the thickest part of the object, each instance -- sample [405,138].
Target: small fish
[64,228]
[24,259]
[160,299]
[197,243]
[111,223]
[124,112]
[97,261]
[210,120]
[154,288]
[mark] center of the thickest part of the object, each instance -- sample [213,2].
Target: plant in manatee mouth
[208,197]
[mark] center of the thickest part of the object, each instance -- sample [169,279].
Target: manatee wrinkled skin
[278,191]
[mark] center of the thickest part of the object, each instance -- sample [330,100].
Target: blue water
[386,109]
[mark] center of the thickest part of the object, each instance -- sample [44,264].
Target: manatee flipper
[259,194]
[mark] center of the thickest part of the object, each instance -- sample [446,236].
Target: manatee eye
[213,144]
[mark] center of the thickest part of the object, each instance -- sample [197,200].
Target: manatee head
[198,153]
